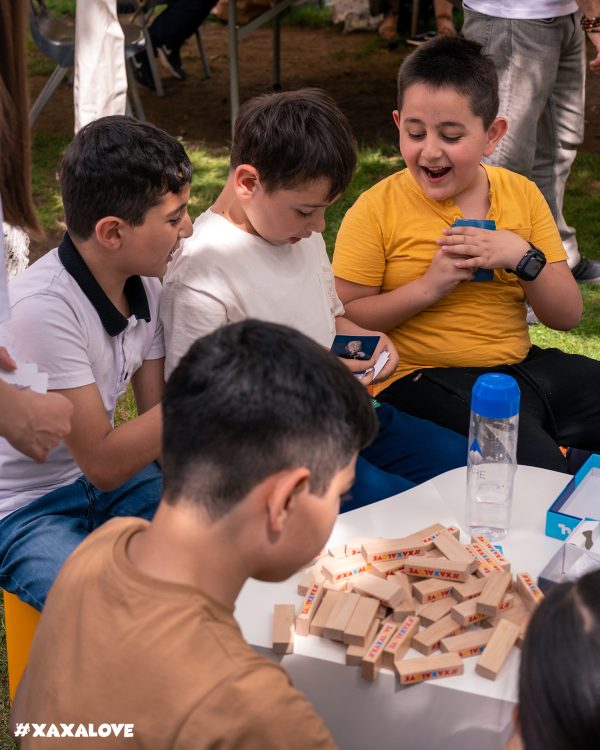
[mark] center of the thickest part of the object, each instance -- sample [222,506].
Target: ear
[245,181]
[285,492]
[109,232]
[396,116]
[496,132]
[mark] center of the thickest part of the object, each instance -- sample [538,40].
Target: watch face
[534,265]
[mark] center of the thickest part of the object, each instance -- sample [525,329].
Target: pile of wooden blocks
[379,597]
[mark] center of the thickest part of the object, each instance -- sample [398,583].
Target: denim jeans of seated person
[37,539]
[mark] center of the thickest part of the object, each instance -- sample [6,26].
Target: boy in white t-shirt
[258,252]
[87,314]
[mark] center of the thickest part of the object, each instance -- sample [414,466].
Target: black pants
[178,21]
[560,402]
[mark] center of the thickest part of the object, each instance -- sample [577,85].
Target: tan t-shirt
[387,239]
[117,646]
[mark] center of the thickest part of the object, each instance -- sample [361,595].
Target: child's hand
[483,248]
[385,345]
[6,361]
[444,274]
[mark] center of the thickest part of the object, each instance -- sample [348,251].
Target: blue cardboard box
[580,499]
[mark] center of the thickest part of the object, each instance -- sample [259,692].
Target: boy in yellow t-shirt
[402,267]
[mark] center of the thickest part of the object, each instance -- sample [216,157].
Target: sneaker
[142,72]
[172,62]
[587,271]
[416,41]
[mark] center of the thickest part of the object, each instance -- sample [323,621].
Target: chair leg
[149,50]
[202,53]
[51,85]
[133,90]
[414,18]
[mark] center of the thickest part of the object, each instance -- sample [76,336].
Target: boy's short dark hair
[457,63]
[252,399]
[119,166]
[294,137]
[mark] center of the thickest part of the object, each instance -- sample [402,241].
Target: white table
[454,713]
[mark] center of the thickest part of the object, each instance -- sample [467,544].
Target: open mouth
[435,173]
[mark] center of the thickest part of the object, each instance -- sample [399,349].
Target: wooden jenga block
[429,668]
[339,616]
[434,611]
[338,586]
[361,621]
[449,546]
[336,570]
[283,628]
[529,590]
[428,640]
[496,652]
[354,654]
[327,604]
[388,592]
[483,553]
[448,570]
[373,658]
[408,605]
[466,612]
[431,589]
[383,550]
[399,643]
[467,644]
[339,551]
[355,543]
[308,609]
[519,614]
[492,596]
[311,576]
[492,551]
[454,530]
[473,586]
[483,569]
[384,569]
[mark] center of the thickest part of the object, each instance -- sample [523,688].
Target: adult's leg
[561,127]
[414,448]
[443,395]
[178,21]
[37,539]
[137,497]
[373,484]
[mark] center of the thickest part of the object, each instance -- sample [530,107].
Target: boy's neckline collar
[113,321]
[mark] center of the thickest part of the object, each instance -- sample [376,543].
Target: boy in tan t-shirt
[138,631]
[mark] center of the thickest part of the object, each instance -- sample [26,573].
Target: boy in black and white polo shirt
[87,314]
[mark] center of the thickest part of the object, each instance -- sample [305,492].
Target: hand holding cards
[361,348]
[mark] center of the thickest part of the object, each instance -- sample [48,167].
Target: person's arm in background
[591,9]
[444,24]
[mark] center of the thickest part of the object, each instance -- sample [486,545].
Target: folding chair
[56,40]
[21,622]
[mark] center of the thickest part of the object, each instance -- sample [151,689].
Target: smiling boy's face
[443,142]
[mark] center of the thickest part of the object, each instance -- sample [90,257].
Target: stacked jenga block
[426,591]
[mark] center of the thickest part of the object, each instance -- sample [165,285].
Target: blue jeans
[541,75]
[407,451]
[37,539]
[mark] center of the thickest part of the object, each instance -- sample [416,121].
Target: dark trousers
[178,21]
[560,402]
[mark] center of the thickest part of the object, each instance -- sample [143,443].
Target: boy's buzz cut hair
[295,137]
[250,400]
[457,63]
[119,166]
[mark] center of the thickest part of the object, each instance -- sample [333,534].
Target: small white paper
[25,376]
[377,367]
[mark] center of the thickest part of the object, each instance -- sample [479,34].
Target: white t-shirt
[523,9]
[222,274]
[4,307]
[71,330]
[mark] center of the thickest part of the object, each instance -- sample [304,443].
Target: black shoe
[142,72]
[172,62]
[587,271]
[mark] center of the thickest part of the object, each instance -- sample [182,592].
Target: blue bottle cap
[496,396]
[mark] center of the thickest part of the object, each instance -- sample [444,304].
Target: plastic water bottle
[492,459]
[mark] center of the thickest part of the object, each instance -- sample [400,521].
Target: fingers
[6,361]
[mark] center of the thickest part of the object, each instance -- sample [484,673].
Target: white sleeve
[187,314]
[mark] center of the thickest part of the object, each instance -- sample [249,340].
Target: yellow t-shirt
[387,239]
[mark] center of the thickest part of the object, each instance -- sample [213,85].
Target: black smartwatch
[530,265]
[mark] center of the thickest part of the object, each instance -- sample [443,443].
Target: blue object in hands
[481,274]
